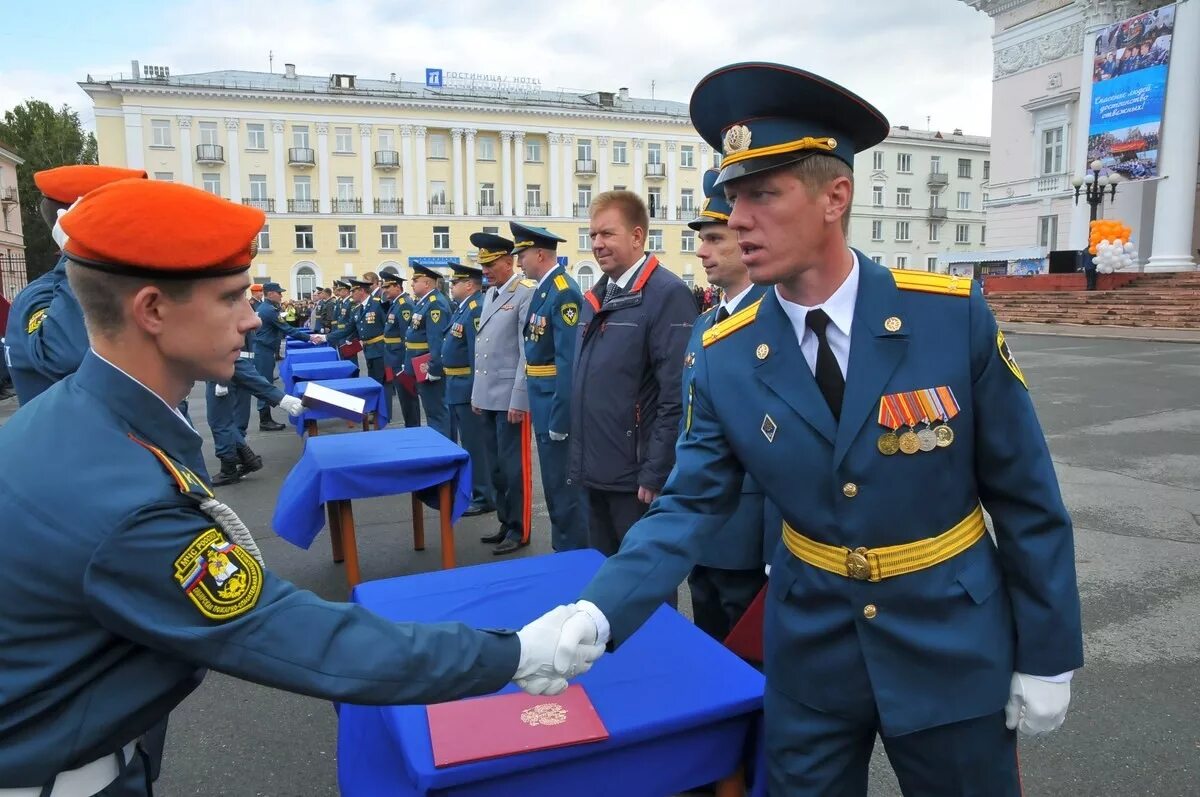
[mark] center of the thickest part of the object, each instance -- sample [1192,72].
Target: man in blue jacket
[267,340]
[426,329]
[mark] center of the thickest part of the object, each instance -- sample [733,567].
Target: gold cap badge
[737,138]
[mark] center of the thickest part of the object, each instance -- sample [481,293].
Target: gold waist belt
[393,340]
[449,371]
[541,370]
[416,345]
[376,339]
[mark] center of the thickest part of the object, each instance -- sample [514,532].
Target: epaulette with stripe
[560,282]
[528,283]
[742,318]
[185,479]
[472,305]
[928,282]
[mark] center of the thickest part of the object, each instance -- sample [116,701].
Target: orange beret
[256,288]
[161,229]
[65,184]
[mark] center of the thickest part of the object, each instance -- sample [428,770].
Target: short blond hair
[632,208]
[817,171]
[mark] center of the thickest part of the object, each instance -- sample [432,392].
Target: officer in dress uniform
[430,320]
[365,324]
[267,339]
[45,339]
[118,600]
[881,412]
[551,332]
[729,573]
[458,364]
[343,306]
[395,326]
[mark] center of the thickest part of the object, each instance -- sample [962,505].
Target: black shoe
[230,472]
[267,424]
[6,393]
[249,460]
[476,509]
[499,536]
[509,545]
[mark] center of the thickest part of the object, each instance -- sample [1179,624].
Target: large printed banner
[1129,87]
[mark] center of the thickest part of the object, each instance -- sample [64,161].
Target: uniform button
[568,481]
[628,434]
[849,489]
[869,611]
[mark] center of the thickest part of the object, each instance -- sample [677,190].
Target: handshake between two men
[561,644]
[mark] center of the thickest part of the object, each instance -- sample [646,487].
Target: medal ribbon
[928,406]
[907,408]
[947,402]
[894,411]
[887,418]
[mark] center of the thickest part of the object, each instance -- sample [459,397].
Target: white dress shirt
[840,309]
[624,280]
[730,303]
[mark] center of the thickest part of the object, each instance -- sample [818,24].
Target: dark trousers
[721,597]
[264,363]
[221,412]
[1089,275]
[433,401]
[378,371]
[503,442]
[812,753]
[610,516]
[568,521]
[474,439]
[410,405]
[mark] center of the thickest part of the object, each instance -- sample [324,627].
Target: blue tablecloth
[386,462]
[680,708]
[363,386]
[316,354]
[300,344]
[337,369]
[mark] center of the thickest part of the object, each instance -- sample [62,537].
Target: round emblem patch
[570,313]
[221,579]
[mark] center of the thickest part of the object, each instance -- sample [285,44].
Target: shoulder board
[528,283]
[188,482]
[742,318]
[927,282]
[472,305]
[560,282]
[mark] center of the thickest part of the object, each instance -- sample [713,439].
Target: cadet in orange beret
[117,599]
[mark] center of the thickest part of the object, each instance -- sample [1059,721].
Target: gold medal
[888,443]
[944,435]
[909,443]
[927,439]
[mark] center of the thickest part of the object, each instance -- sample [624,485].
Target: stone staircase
[1165,301]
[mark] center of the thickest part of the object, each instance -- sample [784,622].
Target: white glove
[558,645]
[432,378]
[558,436]
[292,406]
[220,391]
[1036,706]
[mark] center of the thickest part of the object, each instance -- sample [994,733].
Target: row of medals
[912,441]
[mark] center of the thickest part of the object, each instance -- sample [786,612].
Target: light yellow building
[12,239]
[362,175]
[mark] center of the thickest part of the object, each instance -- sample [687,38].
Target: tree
[45,138]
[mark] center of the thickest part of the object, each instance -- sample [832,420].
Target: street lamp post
[1095,185]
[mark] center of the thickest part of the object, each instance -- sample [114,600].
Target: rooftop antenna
[271,61]
[927,124]
[651,89]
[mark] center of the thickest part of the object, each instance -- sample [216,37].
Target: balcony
[441,208]
[938,180]
[581,211]
[656,171]
[9,195]
[303,157]
[347,206]
[210,154]
[387,159]
[937,213]
[491,209]
[263,204]
[302,206]
[657,211]
[685,212]
[537,210]
[395,206]
[585,167]
[1050,184]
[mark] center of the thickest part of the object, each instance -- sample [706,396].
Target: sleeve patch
[221,579]
[35,321]
[560,282]
[1006,355]
[570,313]
[435,316]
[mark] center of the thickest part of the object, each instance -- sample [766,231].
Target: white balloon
[1126,261]
[1130,248]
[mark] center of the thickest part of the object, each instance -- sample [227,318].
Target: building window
[931,262]
[935,164]
[437,192]
[533,150]
[485,148]
[1052,151]
[437,146]
[166,177]
[1048,232]
[964,168]
[347,236]
[160,132]
[583,197]
[962,233]
[987,170]
[208,133]
[212,182]
[306,282]
[985,201]
[876,230]
[877,160]
[300,136]
[904,163]
[687,157]
[964,200]
[654,241]
[687,200]
[689,280]
[487,194]
[341,140]
[256,136]
[983,235]
[904,197]
[387,139]
[687,241]
[583,149]
[304,236]
[878,259]
[533,196]
[585,240]
[387,189]
[264,238]
[716,159]
[345,188]
[586,277]
[389,237]
[653,153]
[492,230]
[441,238]
[302,187]
[654,203]
[934,232]
[901,261]
[935,200]
[258,186]
[902,233]
[877,195]
[619,152]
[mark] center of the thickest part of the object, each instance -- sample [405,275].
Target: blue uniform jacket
[45,338]
[395,327]
[428,325]
[550,337]
[746,541]
[274,329]
[365,324]
[115,598]
[946,639]
[458,350]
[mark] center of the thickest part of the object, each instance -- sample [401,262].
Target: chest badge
[762,351]
[769,428]
[892,324]
[690,359]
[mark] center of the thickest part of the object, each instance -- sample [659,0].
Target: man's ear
[149,309]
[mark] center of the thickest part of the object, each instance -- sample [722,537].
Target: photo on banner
[1129,87]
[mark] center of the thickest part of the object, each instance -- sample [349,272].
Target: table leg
[366,422]
[446,509]
[732,786]
[349,543]
[335,530]
[310,427]
[418,516]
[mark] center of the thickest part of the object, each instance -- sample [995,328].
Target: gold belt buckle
[857,566]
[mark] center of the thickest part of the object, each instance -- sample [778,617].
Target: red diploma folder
[350,350]
[502,725]
[746,638]
[421,367]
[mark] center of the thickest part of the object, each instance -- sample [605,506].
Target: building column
[135,150]
[456,166]
[1175,203]
[672,180]
[472,190]
[555,163]
[233,158]
[1077,237]
[409,196]
[703,164]
[280,168]
[185,146]
[506,170]
[602,158]
[518,208]
[368,163]
[639,170]
[326,206]
[568,174]
[419,157]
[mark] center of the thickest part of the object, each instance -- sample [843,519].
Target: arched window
[586,277]
[389,267]
[305,282]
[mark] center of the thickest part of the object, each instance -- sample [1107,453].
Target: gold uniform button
[869,611]
[849,489]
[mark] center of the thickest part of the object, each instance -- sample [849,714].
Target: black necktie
[722,313]
[828,373]
[611,291]
[495,294]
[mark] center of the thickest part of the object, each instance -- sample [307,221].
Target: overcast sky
[911,58]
